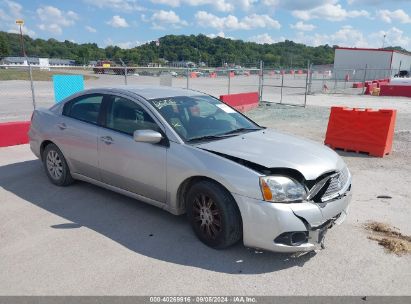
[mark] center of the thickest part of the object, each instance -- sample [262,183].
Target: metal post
[335,80]
[262,80]
[125,70]
[306,83]
[28,63]
[310,81]
[188,77]
[125,75]
[365,79]
[31,84]
[259,83]
[282,85]
[229,81]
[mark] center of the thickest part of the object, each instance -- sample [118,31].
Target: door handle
[107,140]
[62,126]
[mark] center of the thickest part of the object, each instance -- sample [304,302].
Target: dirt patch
[389,237]
[38,75]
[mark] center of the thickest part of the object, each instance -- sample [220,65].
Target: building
[19,61]
[43,62]
[368,64]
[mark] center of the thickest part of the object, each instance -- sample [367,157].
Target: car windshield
[203,117]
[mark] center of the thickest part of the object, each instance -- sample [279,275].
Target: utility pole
[20,23]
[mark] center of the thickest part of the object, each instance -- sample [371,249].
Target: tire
[220,226]
[56,166]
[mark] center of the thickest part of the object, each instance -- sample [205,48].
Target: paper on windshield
[225,108]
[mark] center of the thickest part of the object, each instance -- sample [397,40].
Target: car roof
[150,92]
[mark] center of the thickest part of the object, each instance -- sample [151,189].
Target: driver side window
[126,116]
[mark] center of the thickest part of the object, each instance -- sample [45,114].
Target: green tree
[4,47]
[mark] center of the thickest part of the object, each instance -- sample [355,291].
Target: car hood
[276,150]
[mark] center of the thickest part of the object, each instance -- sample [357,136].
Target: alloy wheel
[207,216]
[54,165]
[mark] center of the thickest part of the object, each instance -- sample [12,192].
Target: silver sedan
[188,152]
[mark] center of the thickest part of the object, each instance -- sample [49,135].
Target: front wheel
[214,215]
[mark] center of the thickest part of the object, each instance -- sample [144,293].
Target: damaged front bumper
[281,227]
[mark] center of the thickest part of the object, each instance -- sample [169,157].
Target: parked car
[188,152]
[403,74]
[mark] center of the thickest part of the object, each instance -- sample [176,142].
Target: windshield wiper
[208,137]
[222,135]
[239,130]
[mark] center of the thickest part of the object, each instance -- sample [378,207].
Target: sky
[128,23]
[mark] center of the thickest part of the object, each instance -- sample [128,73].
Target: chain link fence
[330,80]
[21,89]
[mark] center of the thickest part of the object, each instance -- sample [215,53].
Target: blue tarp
[66,85]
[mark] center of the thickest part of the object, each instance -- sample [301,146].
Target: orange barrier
[360,130]
[369,87]
[213,75]
[14,133]
[358,85]
[231,74]
[242,102]
[395,90]
[300,72]
[381,83]
[193,75]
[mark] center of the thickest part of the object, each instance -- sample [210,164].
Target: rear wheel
[56,166]
[214,215]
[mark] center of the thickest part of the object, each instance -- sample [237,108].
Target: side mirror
[147,136]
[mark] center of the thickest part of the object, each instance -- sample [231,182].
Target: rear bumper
[263,222]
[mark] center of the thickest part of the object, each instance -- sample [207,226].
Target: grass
[38,75]
[389,237]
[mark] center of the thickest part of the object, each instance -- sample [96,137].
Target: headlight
[281,189]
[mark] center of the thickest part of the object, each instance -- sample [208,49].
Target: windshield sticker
[225,108]
[159,104]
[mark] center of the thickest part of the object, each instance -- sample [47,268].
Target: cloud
[264,38]
[221,35]
[331,11]
[90,29]
[219,5]
[393,37]
[346,36]
[297,4]
[163,19]
[374,2]
[14,9]
[53,19]
[392,16]
[231,22]
[123,45]
[9,12]
[301,26]
[124,6]
[117,22]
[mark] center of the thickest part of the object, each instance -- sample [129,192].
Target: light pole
[20,23]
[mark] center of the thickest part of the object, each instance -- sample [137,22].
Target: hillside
[213,51]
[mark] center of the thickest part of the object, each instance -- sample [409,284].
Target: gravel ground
[83,240]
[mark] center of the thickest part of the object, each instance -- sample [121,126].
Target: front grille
[336,183]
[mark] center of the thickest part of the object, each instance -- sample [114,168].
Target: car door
[77,135]
[137,167]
